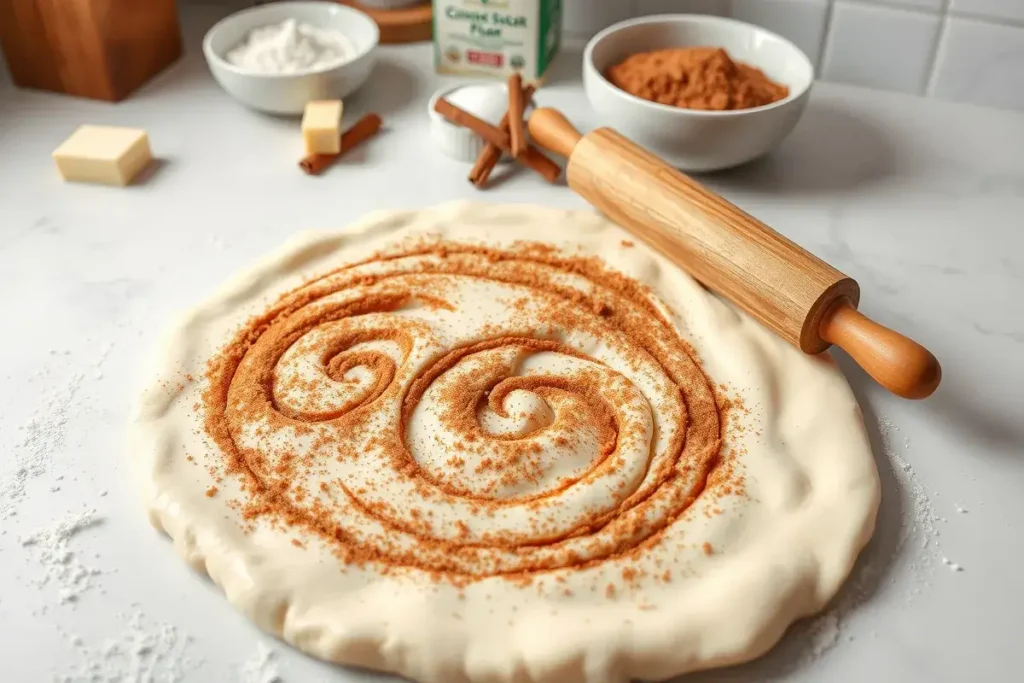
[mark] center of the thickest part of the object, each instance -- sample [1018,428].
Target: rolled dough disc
[423,446]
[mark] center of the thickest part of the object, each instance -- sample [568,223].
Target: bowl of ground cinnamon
[703,92]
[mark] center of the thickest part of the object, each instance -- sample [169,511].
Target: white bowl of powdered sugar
[277,57]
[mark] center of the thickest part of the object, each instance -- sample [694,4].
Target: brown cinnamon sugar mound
[695,78]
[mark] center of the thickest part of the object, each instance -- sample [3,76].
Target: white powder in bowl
[291,47]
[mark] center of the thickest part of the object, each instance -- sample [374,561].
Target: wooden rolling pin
[799,296]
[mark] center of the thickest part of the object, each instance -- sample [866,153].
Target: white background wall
[964,50]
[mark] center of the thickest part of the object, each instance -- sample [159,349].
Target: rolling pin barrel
[791,291]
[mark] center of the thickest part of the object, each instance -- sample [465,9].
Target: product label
[497,37]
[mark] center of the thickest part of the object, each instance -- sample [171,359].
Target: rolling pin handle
[552,131]
[899,364]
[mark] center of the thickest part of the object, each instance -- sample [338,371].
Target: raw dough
[568,560]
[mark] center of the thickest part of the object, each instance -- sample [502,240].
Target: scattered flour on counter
[261,667]
[59,565]
[824,633]
[100,360]
[43,435]
[824,630]
[139,654]
[104,354]
[924,521]
[920,521]
[953,566]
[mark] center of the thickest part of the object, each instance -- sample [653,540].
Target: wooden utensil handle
[551,130]
[899,364]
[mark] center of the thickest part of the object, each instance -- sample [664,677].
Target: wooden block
[412,24]
[103,154]
[101,49]
[321,127]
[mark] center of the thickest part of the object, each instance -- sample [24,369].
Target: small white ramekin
[461,143]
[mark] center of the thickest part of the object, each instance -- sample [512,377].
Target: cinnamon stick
[362,130]
[517,136]
[491,154]
[532,158]
[461,117]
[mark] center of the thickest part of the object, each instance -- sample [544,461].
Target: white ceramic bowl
[289,93]
[697,140]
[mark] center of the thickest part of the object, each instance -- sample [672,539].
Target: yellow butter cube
[103,154]
[321,127]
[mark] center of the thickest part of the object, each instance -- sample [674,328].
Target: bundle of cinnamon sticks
[509,136]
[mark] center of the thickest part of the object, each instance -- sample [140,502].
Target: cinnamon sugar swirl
[439,435]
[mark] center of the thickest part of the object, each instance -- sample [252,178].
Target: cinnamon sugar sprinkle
[318,407]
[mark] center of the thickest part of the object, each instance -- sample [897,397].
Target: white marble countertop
[921,202]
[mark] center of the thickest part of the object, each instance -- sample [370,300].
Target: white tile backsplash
[996,9]
[880,47]
[802,21]
[584,18]
[967,50]
[982,63]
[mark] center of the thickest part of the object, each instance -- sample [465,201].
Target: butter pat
[321,127]
[103,154]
